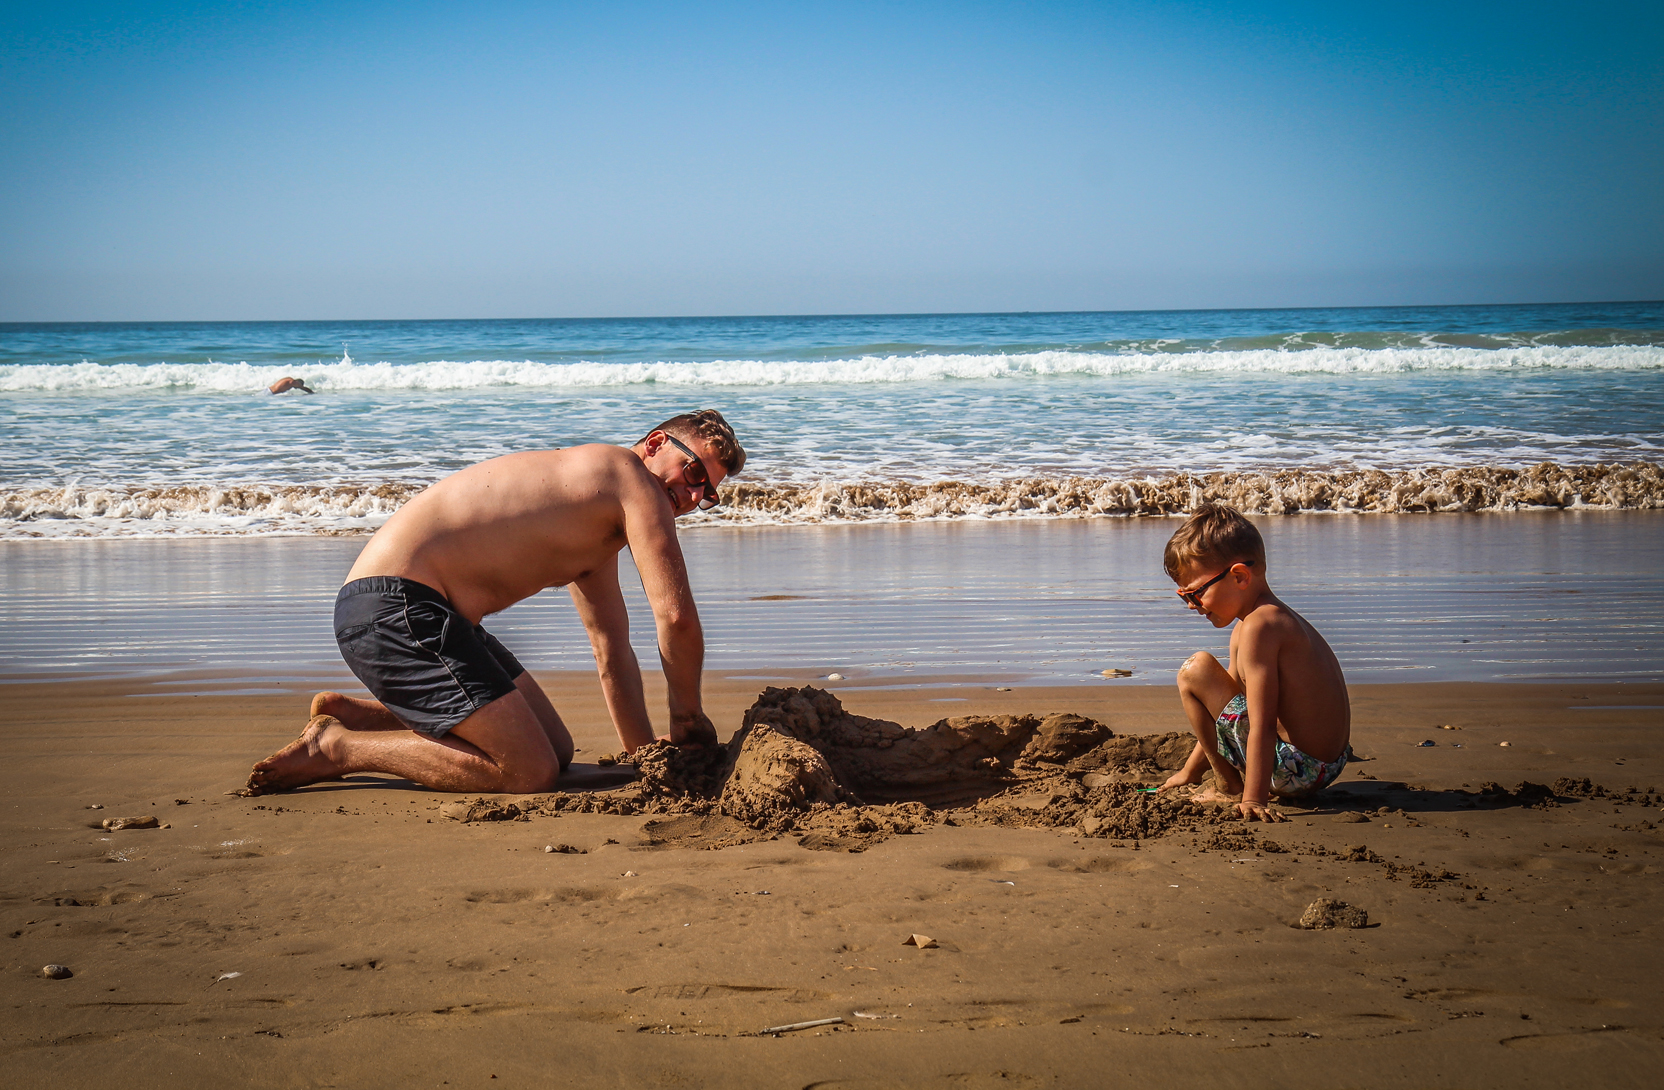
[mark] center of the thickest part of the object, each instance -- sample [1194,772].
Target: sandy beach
[358,934]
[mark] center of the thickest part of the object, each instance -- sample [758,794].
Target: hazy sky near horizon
[501,159]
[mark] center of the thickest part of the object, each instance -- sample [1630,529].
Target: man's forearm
[626,703]
[682,654]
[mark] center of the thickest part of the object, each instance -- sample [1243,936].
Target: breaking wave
[1288,358]
[187,510]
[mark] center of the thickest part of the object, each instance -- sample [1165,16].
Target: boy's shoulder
[1268,622]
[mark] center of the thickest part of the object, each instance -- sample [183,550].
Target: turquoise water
[117,429]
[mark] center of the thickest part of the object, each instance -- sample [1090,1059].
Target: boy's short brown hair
[707,424]
[1216,534]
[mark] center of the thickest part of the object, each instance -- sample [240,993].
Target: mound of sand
[802,764]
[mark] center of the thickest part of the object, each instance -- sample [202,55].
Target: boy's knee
[1198,666]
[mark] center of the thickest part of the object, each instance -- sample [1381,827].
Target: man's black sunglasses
[697,475]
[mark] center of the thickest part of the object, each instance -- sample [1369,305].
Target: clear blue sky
[503,159]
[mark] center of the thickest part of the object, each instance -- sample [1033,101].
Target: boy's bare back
[1313,712]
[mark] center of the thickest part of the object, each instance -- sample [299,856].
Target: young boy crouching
[1278,721]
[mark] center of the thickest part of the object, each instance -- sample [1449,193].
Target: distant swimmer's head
[289,382]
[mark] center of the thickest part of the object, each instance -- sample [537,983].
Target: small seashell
[146,822]
[1424,743]
[1505,743]
[56,972]
[834,677]
[1003,689]
[628,874]
[550,848]
[1116,671]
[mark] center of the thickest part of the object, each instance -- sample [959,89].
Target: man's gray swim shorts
[418,655]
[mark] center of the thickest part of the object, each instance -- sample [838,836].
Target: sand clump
[1326,914]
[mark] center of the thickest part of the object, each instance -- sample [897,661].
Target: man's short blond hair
[1214,535]
[708,424]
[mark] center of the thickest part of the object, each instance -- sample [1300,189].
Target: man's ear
[653,442]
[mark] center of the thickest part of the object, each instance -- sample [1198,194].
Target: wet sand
[378,942]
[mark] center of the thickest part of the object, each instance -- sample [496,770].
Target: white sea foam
[75,511]
[347,374]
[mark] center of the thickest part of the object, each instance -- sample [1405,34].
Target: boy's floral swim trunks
[1294,773]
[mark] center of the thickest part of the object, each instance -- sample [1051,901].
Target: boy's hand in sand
[1181,778]
[1258,811]
[694,729]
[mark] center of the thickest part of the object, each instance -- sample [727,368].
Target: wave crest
[349,375]
[1636,486]
[114,511]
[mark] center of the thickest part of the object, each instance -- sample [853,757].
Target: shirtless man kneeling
[453,710]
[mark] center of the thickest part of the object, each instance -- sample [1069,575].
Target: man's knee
[532,776]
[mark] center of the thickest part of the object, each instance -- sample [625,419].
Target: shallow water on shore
[1507,597]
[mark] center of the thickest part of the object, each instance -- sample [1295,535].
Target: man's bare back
[503,530]
[454,709]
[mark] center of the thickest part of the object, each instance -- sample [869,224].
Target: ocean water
[1521,596]
[163,429]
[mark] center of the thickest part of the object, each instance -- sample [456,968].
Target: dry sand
[379,942]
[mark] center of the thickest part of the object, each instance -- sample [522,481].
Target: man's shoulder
[590,458]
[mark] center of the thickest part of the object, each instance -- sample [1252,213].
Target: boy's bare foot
[299,763]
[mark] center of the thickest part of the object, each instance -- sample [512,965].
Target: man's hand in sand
[694,730]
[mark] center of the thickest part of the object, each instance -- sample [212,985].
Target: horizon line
[827,314]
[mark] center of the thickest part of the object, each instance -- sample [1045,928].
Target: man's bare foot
[355,713]
[299,763]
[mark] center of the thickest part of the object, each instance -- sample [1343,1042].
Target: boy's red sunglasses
[1194,597]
